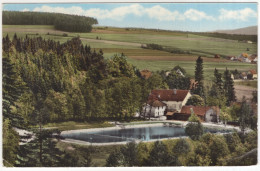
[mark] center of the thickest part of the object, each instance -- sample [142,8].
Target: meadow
[129,40]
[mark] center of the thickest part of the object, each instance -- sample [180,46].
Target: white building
[161,100]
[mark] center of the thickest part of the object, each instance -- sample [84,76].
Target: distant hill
[252,30]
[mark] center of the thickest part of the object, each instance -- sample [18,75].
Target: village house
[205,113]
[232,58]
[244,57]
[180,73]
[155,108]
[254,73]
[162,101]
[244,75]
[217,56]
[146,74]
[192,83]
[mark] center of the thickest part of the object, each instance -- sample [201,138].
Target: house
[232,58]
[243,57]
[217,56]
[192,83]
[254,73]
[253,58]
[243,75]
[167,73]
[160,101]
[205,113]
[232,77]
[146,74]
[180,73]
[155,108]
[247,60]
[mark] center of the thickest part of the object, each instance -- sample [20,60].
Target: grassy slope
[71,125]
[174,39]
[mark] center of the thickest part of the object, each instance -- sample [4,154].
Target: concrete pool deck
[138,125]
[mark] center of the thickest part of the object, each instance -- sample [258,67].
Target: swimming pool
[130,134]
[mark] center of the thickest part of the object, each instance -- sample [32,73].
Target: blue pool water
[129,134]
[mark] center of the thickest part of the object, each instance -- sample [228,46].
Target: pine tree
[228,87]
[198,89]
[40,152]
[12,90]
[218,81]
[245,114]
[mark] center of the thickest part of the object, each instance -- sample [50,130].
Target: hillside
[64,22]
[252,30]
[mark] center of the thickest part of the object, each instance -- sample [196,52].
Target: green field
[128,41]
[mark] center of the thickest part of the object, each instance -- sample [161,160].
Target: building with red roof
[160,101]
[205,113]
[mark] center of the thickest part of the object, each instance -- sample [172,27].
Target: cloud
[155,12]
[196,15]
[242,15]
[25,9]
[117,13]
[163,14]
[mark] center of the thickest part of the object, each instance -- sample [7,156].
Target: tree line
[238,37]
[200,149]
[61,82]
[64,22]
[208,150]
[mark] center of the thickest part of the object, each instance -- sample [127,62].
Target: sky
[167,16]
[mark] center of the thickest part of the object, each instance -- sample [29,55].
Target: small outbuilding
[205,113]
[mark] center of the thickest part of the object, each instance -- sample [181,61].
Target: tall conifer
[198,89]
[228,87]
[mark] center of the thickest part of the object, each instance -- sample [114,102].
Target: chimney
[174,91]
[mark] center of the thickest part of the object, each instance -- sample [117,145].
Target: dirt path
[246,91]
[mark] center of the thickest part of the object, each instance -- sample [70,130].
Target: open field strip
[183,41]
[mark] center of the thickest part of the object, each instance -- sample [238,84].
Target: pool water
[129,134]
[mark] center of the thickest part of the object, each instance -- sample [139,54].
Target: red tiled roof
[158,103]
[253,71]
[168,95]
[146,74]
[198,110]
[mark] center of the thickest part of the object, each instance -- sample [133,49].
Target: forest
[45,81]
[64,22]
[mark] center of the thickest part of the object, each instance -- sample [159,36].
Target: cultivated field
[128,41]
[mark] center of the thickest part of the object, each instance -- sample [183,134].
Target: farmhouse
[160,101]
[205,113]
